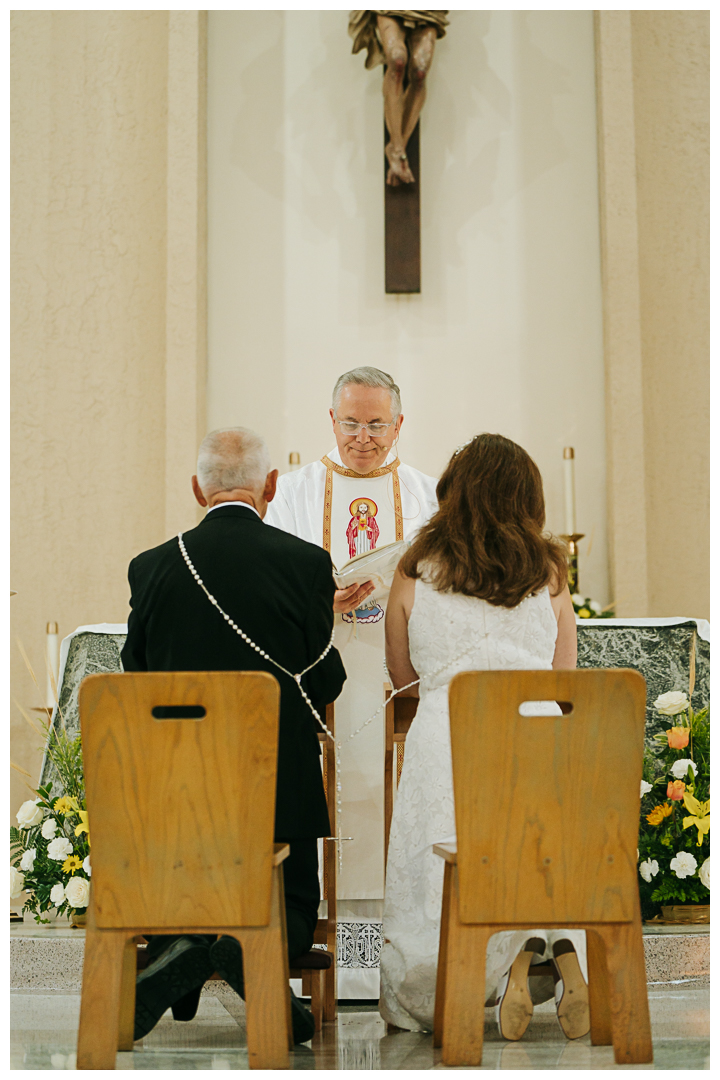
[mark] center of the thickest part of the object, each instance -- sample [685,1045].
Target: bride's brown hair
[486,539]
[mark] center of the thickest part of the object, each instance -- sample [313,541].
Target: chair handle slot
[179,712]
[545,708]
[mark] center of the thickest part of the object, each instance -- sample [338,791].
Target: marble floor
[44,1029]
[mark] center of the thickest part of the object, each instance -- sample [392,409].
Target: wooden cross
[402,225]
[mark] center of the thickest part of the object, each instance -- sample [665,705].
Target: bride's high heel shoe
[571,993]
[514,1007]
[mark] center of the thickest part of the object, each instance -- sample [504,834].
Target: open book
[377,566]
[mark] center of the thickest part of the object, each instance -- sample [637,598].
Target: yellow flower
[585,613]
[65,805]
[699,815]
[659,814]
[71,864]
[83,826]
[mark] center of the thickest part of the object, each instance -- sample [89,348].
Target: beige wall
[108,332]
[506,335]
[653,85]
[108,278]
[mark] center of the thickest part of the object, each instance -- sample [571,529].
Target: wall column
[186,305]
[627,535]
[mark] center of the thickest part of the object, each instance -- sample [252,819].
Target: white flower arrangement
[672,703]
[59,849]
[49,828]
[648,869]
[29,814]
[57,894]
[680,768]
[28,860]
[684,864]
[49,851]
[77,892]
[17,882]
[675,809]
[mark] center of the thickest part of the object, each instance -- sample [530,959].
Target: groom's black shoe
[186,1007]
[182,968]
[226,955]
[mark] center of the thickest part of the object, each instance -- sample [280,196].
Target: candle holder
[573,573]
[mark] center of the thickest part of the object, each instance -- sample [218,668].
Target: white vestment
[347,513]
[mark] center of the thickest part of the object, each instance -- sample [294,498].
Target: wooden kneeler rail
[547,813]
[181,813]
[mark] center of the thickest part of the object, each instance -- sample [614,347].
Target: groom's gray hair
[232,458]
[373,377]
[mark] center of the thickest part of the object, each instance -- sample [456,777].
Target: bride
[480,588]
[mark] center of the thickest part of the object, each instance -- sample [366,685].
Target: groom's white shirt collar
[234,502]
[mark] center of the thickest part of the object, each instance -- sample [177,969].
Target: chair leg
[99,1030]
[631,1034]
[126,1034]
[442,960]
[267,991]
[317,995]
[330,995]
[464,1005]
[598,991]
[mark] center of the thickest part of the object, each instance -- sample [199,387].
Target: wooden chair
[547,813]
[399,715]
[316,968]
[180,775]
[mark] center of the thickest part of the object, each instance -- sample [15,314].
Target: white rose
[681,767]
[57,894]
[86,866]
[59,849]
[77,892]
[578,599]
[648,869]
[29,814]
[49,828]
[684,864]
[644,788]
[28,860]
[17,882]
[672,703]
[597,608]
[704,873]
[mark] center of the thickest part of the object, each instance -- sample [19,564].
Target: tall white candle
[294,461]
[52,654]
[569,470]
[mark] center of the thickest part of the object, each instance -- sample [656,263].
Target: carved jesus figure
[405,42]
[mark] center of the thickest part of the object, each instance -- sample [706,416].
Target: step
[51,958]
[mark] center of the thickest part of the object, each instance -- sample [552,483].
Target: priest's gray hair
[369,376]
[232,458]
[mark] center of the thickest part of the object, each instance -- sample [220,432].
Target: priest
[357,498]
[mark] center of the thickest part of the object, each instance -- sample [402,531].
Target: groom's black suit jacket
[279,590]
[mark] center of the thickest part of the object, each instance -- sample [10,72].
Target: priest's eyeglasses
[352,427]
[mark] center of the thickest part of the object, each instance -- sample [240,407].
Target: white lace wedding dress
[455,633]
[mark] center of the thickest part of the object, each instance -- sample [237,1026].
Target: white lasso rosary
[296,678]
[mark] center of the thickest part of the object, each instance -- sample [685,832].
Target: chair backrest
[181,811]
[547,807]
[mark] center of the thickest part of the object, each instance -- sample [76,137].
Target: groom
[280,591]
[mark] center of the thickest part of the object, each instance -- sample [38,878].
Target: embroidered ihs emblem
[362,535]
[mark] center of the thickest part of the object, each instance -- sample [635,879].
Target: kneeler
[547,813]
[180,773]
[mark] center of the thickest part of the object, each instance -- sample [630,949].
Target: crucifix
[404,42]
